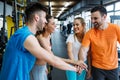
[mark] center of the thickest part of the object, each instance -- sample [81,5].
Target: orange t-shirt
[103,45]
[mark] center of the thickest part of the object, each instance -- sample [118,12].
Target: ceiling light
[59,13]
[67,4]
[63,9]
[50,4]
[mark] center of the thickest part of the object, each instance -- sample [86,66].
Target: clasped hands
[80,66]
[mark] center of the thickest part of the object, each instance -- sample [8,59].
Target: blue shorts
[72,75]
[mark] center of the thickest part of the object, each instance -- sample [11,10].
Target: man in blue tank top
[23,48]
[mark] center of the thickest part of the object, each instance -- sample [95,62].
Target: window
[117,13]
[109,7]
[110,14]
[117,6]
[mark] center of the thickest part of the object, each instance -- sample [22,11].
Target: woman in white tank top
[73,45]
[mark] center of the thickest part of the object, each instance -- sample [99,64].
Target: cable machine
[3,34]
[16,18]
[17,6]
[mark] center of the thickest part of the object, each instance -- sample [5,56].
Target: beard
[39,26]
[96,25]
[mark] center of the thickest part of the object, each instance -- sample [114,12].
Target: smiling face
[50,26]
[97,19]
[78,25]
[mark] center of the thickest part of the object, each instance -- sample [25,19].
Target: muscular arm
[46,46]
[82,55]
[40,53]
[70,61]
[70,55]
[43,43]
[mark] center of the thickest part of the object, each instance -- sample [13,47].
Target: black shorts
[100,74]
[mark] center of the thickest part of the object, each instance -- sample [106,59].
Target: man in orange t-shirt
[102,41]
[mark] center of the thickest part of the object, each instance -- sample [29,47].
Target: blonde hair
[82,21]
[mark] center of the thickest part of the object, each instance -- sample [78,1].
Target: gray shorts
[38,72]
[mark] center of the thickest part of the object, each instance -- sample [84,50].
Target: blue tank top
[17,61]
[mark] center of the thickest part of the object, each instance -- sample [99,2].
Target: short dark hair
[32,8]
[99,8]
